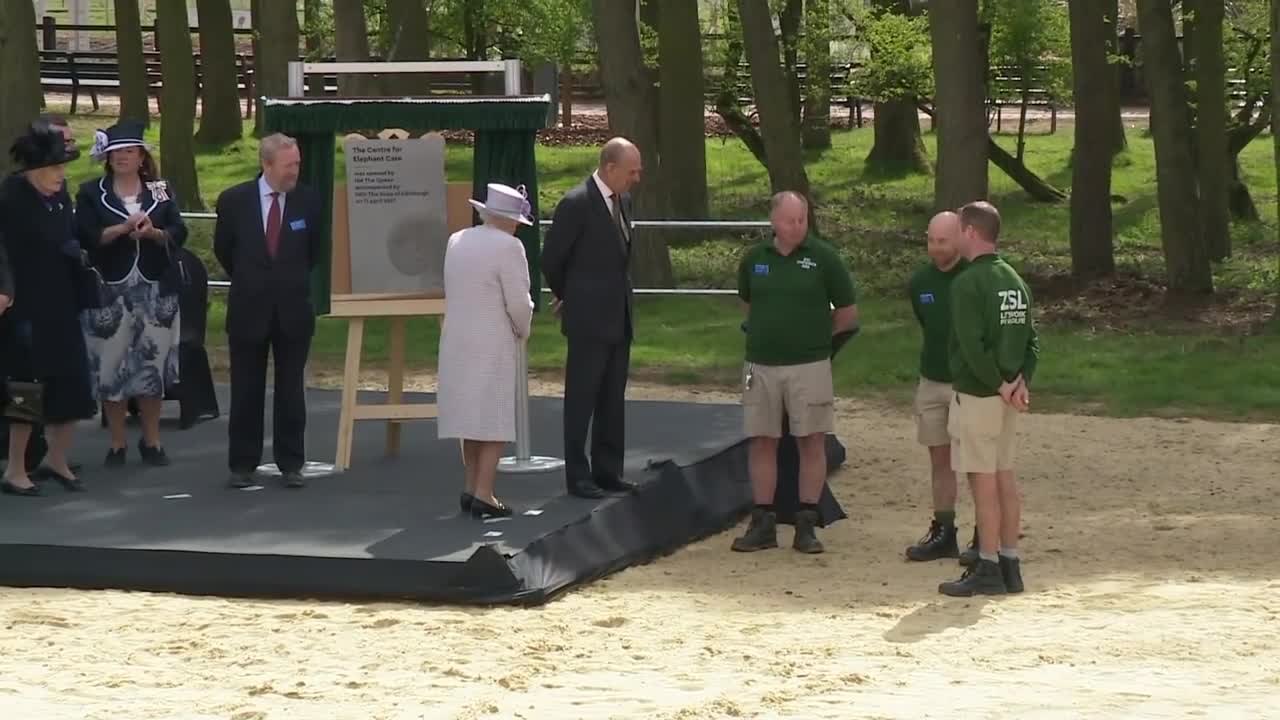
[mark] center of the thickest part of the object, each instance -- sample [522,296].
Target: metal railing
[223,285]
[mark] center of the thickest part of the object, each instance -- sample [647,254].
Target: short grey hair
[272,144]
[776,201]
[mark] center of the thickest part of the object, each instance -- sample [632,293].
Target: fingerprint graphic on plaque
[416,246]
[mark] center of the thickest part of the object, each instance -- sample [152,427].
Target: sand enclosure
[1151,593]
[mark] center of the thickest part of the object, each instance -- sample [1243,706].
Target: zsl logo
[1012,300]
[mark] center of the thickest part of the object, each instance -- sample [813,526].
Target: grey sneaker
[806,539]
[761,534]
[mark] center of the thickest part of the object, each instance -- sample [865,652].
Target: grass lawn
[1116,353]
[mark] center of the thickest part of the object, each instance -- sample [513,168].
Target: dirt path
[1152,592]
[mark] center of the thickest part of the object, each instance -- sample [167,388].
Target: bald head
[620,164]
[789,216]
[944,239]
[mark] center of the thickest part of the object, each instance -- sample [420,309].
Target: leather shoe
[585,489]
[294,480]
[617,485]
[240,481]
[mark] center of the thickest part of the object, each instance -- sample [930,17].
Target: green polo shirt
[791,297]
[993,335]
[930,290]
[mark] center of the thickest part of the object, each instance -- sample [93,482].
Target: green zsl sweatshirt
[993,337]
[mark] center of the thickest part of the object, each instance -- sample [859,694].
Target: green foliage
[900,62]
[1034,38]
[1246,48]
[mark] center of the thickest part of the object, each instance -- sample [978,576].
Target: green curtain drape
[508,157]
[505,131]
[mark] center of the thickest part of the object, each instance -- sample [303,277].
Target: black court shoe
[10,489]
[71,484]
[464,502]
[482,509]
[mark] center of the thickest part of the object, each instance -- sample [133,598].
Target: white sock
[1011,553]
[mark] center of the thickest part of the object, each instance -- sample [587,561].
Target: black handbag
[175,278]
[91,289]
[24,402]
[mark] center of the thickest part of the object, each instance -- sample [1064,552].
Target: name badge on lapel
[298,225]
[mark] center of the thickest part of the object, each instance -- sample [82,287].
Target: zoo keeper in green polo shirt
[798,294]
[930,292]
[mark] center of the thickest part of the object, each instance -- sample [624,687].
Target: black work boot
[1011,569]
[981,578]
[938,543]
[806,539]
[761,534]
[970,554]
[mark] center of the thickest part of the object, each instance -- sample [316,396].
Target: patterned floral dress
[133,339]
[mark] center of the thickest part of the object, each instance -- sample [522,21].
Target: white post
[297,79]
[524,461]
[511,76]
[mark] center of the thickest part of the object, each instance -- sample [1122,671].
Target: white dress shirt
[604,191]
[264,197]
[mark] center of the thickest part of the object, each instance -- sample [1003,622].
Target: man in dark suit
[267,239]
[585,261]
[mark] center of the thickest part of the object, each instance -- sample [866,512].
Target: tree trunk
[1035,186]
[682,126]
[352,41]
[631,100]
[135,102]
[898,146]
[773,100]
[815,132]
[727,99]
[1114,110]
[959,104]
[219,97]
[1211,129]
[1239,200]
[1092,248]
[178,73]
[275,23]
[411,42]
[20,79]
[1186,259]
[789,28]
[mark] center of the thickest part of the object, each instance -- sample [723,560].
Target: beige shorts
[933,403]
[805,392]
[983,434]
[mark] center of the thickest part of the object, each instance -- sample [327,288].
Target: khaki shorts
[933,403]
[983,434]
[804,391]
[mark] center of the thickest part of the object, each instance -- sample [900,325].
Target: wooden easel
[357,308]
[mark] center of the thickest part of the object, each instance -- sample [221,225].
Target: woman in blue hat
[128,220]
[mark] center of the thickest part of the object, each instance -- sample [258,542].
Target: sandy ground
[1152,593]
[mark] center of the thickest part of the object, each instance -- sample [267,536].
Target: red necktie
[273,225]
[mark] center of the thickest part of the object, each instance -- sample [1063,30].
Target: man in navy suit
[267,239]
[586,261]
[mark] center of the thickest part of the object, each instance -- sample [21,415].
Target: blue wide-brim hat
[41,146]
[123,134]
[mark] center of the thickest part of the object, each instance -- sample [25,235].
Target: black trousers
[248,400]
[594,388]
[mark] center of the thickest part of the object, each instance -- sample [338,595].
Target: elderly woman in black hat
[128,221]
[42,351]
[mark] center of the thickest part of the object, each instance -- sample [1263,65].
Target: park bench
[94,72]
[1005,89]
